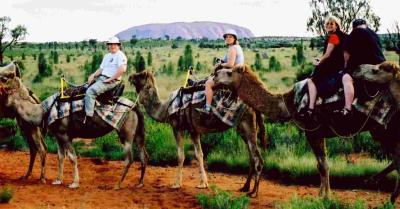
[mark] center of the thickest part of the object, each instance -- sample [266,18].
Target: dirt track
[97,181]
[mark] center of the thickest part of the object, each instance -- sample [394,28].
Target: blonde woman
[327,76]
[234,56]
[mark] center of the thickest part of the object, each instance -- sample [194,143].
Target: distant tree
[92,43]
[133,41]
[178,38]
[34,56]
[294,60]
[170,68]
[258,62]
[17,34]
[312,44]
[44,68]
[174,45]
[199,66]
[300,53]
[23,56]
[394,39]
[68,59]
[345,10]
[140,63]
[181,63]
[166,37]
[149,59]
[274,64]
[188,57]
[55,57]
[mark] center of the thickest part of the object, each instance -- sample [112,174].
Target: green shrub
[220,199]
[6,193]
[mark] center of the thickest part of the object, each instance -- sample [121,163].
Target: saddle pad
[225,106]
[114,115]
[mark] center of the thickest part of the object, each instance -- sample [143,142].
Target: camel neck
[254,94]
[157,109]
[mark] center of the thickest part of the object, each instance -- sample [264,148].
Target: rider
[326,77]
[234,56]
[107,77]
[363,47]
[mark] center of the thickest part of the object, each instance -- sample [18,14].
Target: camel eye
[3,79]
[229,74]
[375,71]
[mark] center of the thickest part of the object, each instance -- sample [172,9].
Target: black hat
[358,22]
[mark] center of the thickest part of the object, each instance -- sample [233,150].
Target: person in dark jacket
[326,78]
[363,47]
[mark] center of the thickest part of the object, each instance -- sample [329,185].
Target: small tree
[149,59]
[170,68]
[44,68]
[17,34]
[312,44]
[23,56]
[55,57]
[93,43]
[181,63]
[68,59]
[300,53]
[188,57]
[133,41]
[258,62]
[294,61]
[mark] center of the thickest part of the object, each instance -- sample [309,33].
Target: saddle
[73,93]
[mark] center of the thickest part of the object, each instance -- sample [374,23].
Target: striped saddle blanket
[225,105]
[114,115]
[380,108]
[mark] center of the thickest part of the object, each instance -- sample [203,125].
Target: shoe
[206,109]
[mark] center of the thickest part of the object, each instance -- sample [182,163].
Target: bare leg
[312,93]
[348,90]
[181,158]
[127,163]
[74,160]
[209,92]
[199,155]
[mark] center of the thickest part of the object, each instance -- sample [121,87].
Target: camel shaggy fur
[280,107]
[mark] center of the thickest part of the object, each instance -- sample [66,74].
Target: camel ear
[240,68]
[17,69]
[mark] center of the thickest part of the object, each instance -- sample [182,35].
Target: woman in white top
[234,56]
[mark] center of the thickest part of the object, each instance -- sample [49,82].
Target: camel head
[9,78]
[142,79]
[230,77]
[380,74]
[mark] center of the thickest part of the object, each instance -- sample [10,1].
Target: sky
[76,20]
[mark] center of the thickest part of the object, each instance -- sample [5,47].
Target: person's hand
[316,61]
[90,79]
[108,80]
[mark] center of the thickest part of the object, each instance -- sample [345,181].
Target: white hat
[113,40]
[230,32]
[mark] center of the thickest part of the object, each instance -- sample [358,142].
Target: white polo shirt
[111,63]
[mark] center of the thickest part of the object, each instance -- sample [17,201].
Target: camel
[280,107]
[66,129]
[145,85]
[33,134]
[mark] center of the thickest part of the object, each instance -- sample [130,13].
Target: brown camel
[145,84]
[33,134]
[280,107]
[66,129]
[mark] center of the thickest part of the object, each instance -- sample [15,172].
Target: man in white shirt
[107,77]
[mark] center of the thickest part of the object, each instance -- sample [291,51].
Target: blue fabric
[96,89]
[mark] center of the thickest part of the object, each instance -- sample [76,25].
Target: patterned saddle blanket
[225,105]
[379,108]
[113,114]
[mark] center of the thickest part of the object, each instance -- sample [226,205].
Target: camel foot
[73,185]
[175,186]
[140,185]
[43,180]
[252,194]
[117,187]
[244,189]
[57,182]
[202,186]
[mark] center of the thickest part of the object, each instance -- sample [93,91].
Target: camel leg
[378,177]
[61,155]
[318,146]
[32,153]
[40,146]
[199,155]
[144,157]
[74,160]
[181,158]
[247,130]
[127,163]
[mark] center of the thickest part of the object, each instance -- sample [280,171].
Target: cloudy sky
[76,20]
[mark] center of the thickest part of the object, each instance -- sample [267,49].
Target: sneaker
[206,109]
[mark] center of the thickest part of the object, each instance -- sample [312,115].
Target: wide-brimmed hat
[230,32]
[113,40]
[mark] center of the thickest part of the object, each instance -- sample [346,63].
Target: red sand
[97,181]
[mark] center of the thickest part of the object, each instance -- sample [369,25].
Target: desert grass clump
[220,199]
[6,194]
